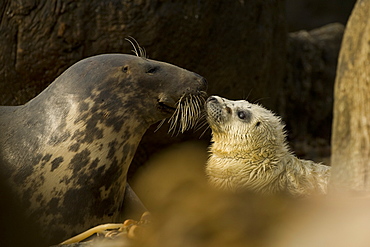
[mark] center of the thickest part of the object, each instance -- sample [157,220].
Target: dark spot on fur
[79,161]
[115,121]
[82,117]
[104,95]
[83,106]
[71,197]
[77,134]
[109,205]
[56,162]
[39,198]
[65,180]
[112,149]
[94,164]
[92,132]
[74,147]
[59,137]
[46,157]
[52,206]
[35,160]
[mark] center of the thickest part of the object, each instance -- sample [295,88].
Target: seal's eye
[152,70]
[125,69]
[258,123]
[242,115]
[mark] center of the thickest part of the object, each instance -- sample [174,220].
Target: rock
[308,100]
[351,123]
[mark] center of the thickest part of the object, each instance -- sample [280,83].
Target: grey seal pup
[249,151]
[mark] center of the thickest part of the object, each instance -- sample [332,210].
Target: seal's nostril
[228,109]
[202,81]
[211,99]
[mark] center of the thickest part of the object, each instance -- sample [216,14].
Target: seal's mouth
[217,113]
[166,108]
[166,104]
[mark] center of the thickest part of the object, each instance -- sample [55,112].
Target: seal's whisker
[133,45]
[194,111]
[200,103]
[200,113]
[250,91]
[138,50]
[201,125]
[173,120]
[258,100]
[204,131]
[188,112]
[160,124]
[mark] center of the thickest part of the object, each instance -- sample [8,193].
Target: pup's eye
[258,124]
[242,115]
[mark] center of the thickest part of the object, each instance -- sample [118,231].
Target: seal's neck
[238,163]
[251,151]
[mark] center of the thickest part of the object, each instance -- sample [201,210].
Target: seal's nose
[212,99]
[203,82]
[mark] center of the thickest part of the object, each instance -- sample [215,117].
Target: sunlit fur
[254,155]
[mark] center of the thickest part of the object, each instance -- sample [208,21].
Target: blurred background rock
[243,48]
[282,54]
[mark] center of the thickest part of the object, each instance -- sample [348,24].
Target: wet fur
[252,153]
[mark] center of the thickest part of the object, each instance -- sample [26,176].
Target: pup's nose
[212,99]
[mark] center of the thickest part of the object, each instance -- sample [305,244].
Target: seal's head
[147,88]
[248,141]
[70,147]
[249,151]
[243,126]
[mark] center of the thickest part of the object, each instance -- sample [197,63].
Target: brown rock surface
[351,123]
[308,100]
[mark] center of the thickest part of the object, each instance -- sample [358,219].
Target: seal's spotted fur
[249,151]
[65,154]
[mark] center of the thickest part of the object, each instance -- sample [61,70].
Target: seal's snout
[212,99]
[214,110]
[202,81]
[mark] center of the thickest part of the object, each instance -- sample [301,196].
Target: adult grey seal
[65,154]
[249,151]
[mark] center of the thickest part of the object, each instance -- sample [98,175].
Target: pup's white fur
[249,151]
